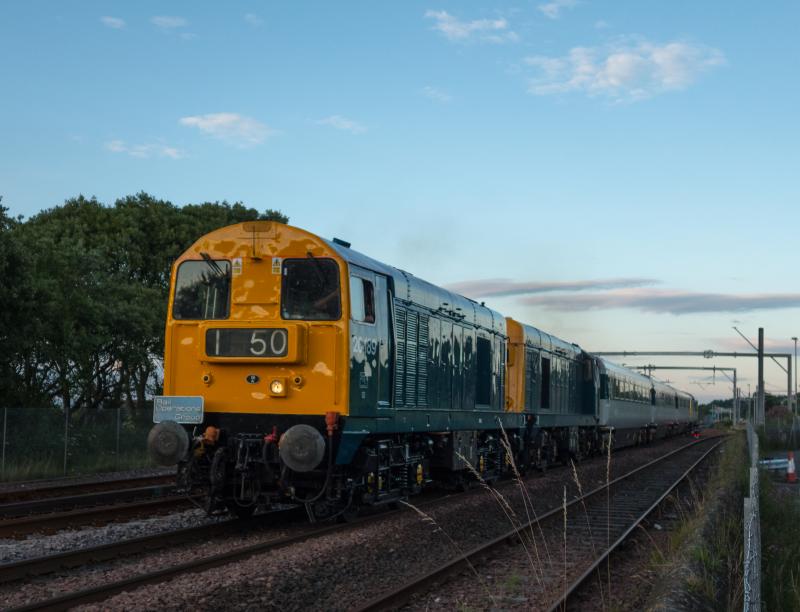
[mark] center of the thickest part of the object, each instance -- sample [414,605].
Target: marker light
[277,387]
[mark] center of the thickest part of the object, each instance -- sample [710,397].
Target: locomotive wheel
[242,512]
[219,470]
[349,514]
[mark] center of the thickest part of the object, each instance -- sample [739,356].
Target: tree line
[83,297]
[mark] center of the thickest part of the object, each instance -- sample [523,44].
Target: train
[299,370]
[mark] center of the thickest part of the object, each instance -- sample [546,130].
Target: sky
[621,174]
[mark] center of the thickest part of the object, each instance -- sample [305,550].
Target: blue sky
[647,151]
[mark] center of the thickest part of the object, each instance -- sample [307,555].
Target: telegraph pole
[795,374]
[760,389]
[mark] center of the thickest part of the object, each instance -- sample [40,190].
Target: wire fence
[43,442]
[752,531]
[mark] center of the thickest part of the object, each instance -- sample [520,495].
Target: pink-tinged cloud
[501,287]
[666,301]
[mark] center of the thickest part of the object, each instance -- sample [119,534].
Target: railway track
[25,569]
[50,522]
[32,490]
[50,512]
[84,500]
[38,566]
[597,523]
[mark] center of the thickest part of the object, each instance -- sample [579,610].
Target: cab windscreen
[202,290]
[310,289]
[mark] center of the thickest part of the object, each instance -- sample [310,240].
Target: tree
[15,320]
[83,318]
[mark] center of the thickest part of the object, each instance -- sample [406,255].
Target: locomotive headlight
[277,387]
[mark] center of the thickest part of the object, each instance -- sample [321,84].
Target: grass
[52,466]
[780,547]
[777,435]
[34,442]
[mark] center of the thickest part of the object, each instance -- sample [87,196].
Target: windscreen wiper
[318,268]
[213,265]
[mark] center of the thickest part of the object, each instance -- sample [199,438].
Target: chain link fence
[752,531]
[43,443]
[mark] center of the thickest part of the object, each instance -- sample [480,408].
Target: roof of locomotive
[230,241]
[411,289]
[535,337]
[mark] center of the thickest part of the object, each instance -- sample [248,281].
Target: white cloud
[342,123]
[625,73]
[488,30]
[253,19]
[231,127]
[553,9]
[114,23]
[436,94]
[144,151]
[167,23]
[601,24]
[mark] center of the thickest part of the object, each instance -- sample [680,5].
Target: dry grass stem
[608,511]
[505,506]
[564,502]
[589,528]
[427,518]
[530,511]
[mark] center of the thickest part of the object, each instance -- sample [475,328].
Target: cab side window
[362,300]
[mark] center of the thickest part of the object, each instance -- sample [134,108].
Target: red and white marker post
[791,476]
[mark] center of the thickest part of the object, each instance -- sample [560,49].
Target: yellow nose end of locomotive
[277,387]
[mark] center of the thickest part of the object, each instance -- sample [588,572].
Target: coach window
[310,289]
[362,300]
[202,290]
[483,382]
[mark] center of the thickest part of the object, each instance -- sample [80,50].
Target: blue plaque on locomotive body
[184,409]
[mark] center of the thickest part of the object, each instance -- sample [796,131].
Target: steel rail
[37,566]
[53,521]
[104,591]
[52,504]
[402,594]
[101,592]
[23,492]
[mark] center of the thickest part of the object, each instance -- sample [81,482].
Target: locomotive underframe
[242,471]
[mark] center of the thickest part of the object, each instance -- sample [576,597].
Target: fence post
[116,456]
[5,422]
[66,436]
[752,530]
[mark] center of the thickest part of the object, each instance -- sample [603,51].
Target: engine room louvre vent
[422,362]
[411,358]
[400,361]
[411,367]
